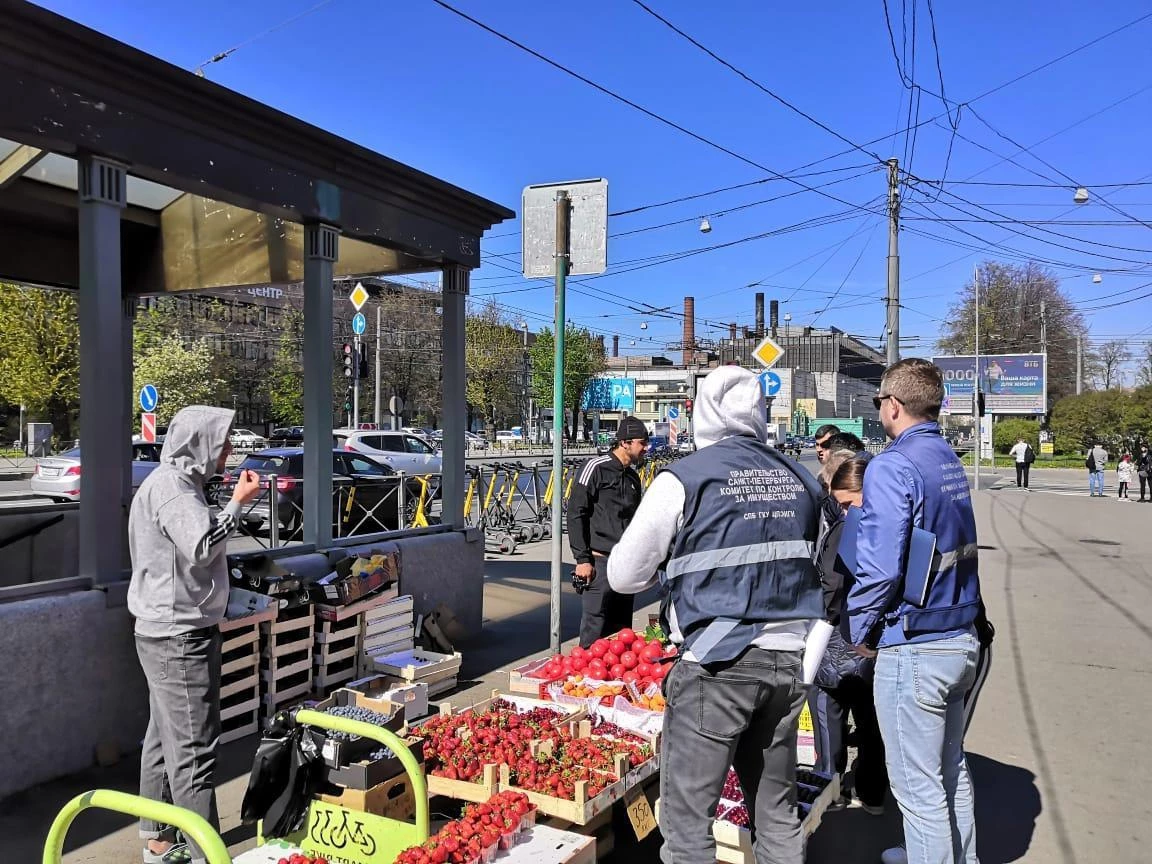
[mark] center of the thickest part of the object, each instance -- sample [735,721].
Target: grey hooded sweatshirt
[729,402]
[179,567]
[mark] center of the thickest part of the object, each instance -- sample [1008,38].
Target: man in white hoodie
[729,532]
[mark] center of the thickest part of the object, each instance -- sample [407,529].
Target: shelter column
[127,430]
[456,281]
[103,396]
[320,250]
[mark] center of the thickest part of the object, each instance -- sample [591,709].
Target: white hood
[729,402]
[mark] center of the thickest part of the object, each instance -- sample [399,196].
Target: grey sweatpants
[179,757]
[741,714]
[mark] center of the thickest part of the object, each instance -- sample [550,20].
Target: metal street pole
[355,382]
[1079,362]
[893,261]
[376,415]
[563,224]
[976,392]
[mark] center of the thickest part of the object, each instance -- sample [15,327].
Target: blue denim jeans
[1096,482]
[919,693]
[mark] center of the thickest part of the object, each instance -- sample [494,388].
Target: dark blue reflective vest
[954,593]
[744,556]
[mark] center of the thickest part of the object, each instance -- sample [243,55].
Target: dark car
[287,435]
[365,497]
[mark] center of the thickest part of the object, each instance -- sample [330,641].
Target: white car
[475,442]
[245,439]
[399,450]
[58,477]
[506,437]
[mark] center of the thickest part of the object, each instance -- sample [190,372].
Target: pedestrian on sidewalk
[1125,474]
[844,679]
[179,595]
[729,532]
[1024,455]
[920,625]
[1096,462]
[604,498]
[1143,467]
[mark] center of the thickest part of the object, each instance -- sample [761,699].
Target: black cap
[631,429]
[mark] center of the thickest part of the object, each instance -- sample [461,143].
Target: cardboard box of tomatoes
[628,657]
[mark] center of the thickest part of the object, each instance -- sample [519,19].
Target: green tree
[1006,432]
[1119,420]
[1010,320]
[184,374]
[494,361]
[583,361]
[286,372]
[39,354]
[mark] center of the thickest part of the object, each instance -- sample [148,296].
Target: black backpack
[1090,462]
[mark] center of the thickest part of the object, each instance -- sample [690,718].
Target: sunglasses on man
[877,401]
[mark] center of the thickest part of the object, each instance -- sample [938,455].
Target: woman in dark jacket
[844,680]
[1144,470]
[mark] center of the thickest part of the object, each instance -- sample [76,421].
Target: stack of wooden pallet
[240,675]
[286,658]
[385,629]
[336,652]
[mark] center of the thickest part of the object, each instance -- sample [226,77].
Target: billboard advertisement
[610,394]
[1011,383]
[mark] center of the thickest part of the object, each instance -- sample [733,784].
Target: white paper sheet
[814,647]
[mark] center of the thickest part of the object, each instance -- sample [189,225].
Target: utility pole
[1079,362]
[893,261]
[355,382]
[563,229]
[1043,329]
[976,392]
[376,416]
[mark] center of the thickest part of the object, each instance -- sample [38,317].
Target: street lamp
[1080,196]
[528,421]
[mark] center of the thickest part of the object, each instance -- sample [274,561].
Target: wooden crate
[394,613]
[632,776]
[341,613]
[579,811]
[336,631]
[520,679]
[437,667]
[393,798]
[567,714]
[467,790]
[286,658]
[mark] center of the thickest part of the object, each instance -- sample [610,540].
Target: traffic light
[348,399]
[349,370]
[688,407]
[362,369]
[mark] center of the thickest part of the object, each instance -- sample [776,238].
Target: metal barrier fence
[360,506]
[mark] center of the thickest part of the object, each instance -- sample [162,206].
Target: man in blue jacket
[921,624]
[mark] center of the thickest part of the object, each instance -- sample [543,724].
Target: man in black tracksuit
[604,496]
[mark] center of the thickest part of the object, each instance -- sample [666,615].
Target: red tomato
[629,660]
[566,665]
[626,636]
[552,669]
[630,677]
[617,671]
[599,648]
[597,670]
[639,644]
[644,669]
[660,670]
[579,664]
[616,647]
[611,659]
[652,653]
[578,653]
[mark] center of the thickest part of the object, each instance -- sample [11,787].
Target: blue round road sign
[359,323]
[770,381]
[149,398]
[673,412]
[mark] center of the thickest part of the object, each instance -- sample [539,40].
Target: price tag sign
[639,812]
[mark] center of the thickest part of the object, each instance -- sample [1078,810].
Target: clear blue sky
[419,84]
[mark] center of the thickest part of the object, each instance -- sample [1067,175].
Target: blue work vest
[954,593]
[744,556]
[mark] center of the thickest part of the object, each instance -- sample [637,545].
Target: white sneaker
[895,855]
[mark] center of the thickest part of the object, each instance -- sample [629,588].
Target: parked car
[657,442]
[506,438]
[401,451]
[376,502]
[245,439]
[288,434]
[475,442]
[58,477]
[685,443]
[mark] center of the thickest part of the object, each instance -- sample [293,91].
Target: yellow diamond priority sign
[359,296]
[768,352]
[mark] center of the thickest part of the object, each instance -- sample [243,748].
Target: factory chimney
[616,345]
[759,314]
[732,331]
[774,316]
[689,330]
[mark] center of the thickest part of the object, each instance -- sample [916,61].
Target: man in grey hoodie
[179,595]
[733,527]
